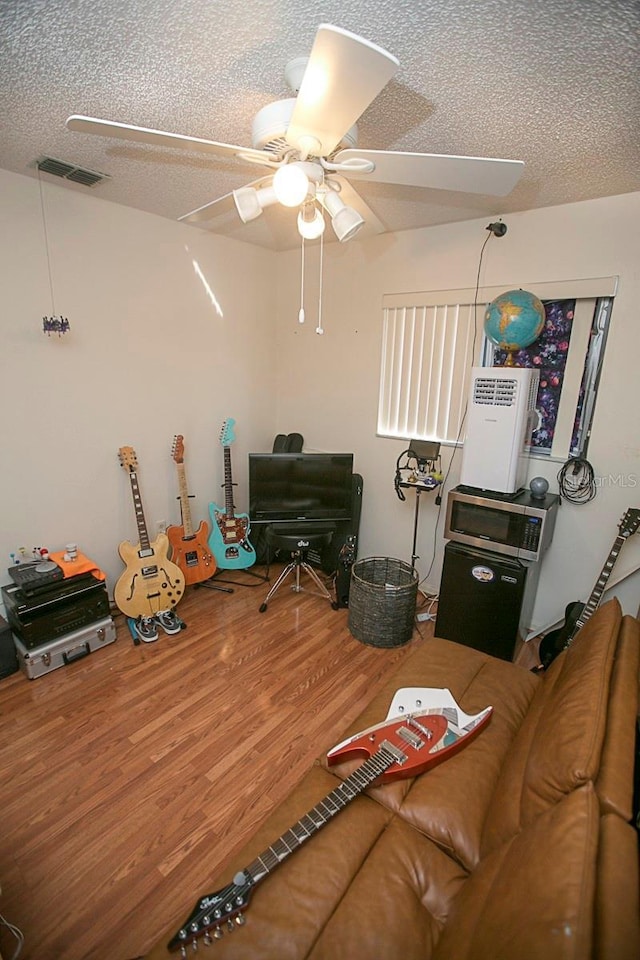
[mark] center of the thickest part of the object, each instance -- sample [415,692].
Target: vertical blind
[430,342]
[427,355]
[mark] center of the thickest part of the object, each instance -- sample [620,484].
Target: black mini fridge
[486,599]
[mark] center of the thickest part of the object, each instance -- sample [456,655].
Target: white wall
[328,387]
[148,356]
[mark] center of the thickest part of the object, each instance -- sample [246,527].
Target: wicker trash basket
[382,601]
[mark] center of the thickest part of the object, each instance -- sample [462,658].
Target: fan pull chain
[319,328]
[301,311]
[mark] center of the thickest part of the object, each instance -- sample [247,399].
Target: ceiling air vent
[68,171]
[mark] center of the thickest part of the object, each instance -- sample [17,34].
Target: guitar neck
[184,500]
[143,536]
[323,812]
[592,603]
[228,484]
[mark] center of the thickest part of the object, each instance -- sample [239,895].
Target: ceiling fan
[309,143]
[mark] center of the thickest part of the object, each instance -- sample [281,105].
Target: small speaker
[8,658]
[346,560]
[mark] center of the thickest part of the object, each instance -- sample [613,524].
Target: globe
[514,320]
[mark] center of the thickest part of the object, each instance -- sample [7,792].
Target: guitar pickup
[411,738]
[151,571]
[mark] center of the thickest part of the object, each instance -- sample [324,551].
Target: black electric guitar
[229,540]
[151,583]
[576,613]
[189,549]
[400,747]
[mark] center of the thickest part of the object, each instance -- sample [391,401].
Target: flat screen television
[285,487]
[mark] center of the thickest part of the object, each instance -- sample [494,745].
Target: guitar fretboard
[228,483]
[184,500]
[593,602]
[320,815]
[143,536]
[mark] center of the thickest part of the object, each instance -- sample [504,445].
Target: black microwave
[521,526]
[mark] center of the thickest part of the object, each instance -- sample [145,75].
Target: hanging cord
[442,489]
[46,244]
[576,481]
[301,310]
[17,933]
[319,328]
[398,476]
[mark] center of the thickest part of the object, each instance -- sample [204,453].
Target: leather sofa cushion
[533,896]
[449,803]
[614,784]
[559,744]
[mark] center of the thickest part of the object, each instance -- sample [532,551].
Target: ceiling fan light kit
[345,220]
[310,222]
[300,138]
[291,185]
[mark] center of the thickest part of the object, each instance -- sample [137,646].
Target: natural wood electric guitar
[576,613]
[188,549]
[400,747]
[229,540]
[151,582]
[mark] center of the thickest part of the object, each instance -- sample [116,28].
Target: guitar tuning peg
[230,926]
[218,933]
[241,919]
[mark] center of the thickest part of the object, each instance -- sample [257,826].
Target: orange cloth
[82,564]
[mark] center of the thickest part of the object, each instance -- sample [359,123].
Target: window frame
[409,408]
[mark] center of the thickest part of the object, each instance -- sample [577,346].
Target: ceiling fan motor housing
[270,126]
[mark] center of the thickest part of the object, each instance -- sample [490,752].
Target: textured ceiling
[550,82]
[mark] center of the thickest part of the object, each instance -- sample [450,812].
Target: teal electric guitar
[229,540]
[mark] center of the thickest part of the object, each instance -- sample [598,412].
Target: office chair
[298,539]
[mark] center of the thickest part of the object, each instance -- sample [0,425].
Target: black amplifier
[73,603]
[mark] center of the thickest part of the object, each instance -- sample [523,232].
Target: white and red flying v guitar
[400,747]
[229,541]
[188,549]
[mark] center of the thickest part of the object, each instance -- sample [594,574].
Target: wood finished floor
[130,776]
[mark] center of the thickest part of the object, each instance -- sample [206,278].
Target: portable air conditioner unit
[501,414]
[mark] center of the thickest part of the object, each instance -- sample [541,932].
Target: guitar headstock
[214,914]
[630,523]
[128,459]
[227,436]
[177,450]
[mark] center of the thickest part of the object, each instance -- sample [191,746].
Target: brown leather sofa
[519,847]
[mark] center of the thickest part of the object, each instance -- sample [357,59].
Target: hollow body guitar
[189,549]
[576,613]
[151,582]
[229,540]
[400,747]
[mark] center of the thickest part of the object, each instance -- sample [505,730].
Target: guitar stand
[259,577]
[212,586]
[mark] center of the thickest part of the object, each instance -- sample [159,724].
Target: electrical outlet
[161,526]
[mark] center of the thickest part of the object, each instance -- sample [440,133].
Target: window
[431,341]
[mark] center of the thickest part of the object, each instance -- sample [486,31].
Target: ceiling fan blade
[436,171]
[220,206]
[343,75]
[159,138]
